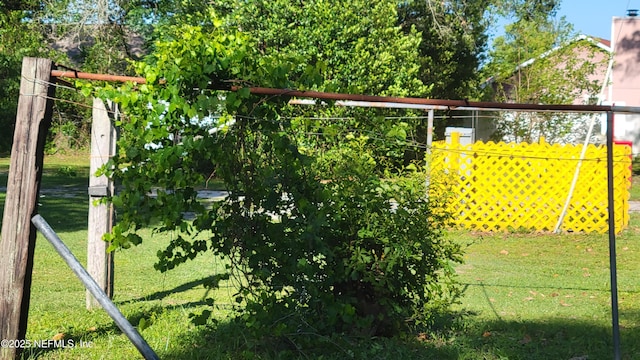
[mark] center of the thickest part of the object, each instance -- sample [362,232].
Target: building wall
[625,84]
[601,58]
[626,67]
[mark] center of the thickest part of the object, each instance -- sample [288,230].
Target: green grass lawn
[548,296]
[526,297]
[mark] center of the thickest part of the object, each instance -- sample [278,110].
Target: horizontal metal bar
[427,103]
[99,77]
[440,104]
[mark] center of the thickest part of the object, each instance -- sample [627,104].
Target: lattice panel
[511,187]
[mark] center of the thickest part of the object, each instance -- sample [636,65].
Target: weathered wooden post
[103,140]
[17,242]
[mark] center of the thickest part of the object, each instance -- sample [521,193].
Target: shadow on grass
[454,336]
[141,318]
[65,214]
[234,340]
[159,295]
[66,209]
[543,339]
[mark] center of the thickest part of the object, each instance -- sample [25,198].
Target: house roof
[602,41]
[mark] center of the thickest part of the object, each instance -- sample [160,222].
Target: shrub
[360,253]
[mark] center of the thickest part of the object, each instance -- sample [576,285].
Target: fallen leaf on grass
[504,252]
[529,298]
[423,337]
[486,334]
[492,300]
[92,329]
[58,336]
[525,340]
[564,303]
[625,248]
[589,249]
[554,294]
[525,254]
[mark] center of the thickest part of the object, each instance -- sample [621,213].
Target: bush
[360,253]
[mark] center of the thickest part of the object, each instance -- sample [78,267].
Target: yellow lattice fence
[510,187]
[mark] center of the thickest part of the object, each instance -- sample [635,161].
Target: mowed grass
[526,296]
[548,296]
[164,301]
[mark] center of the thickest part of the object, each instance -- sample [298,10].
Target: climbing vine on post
[317,239]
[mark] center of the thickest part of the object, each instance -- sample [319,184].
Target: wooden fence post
[18,238]
[99,262]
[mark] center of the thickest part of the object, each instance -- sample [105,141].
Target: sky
[593,17]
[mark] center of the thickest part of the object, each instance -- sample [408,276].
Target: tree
[18,38]
[321,256]
[359,49]
[540,60]
[454,41]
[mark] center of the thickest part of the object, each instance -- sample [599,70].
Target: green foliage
[16,41]
[21,37]
[354,254]
[453,43]
[359,47]
[67,171]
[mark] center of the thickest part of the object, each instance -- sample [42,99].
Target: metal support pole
[430,130]
[612,241]
[427,181]
[95,289]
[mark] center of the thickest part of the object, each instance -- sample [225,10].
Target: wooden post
[99,262]
[17,242]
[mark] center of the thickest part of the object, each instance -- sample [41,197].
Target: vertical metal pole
[427,181]
[612,241]
[430,130]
